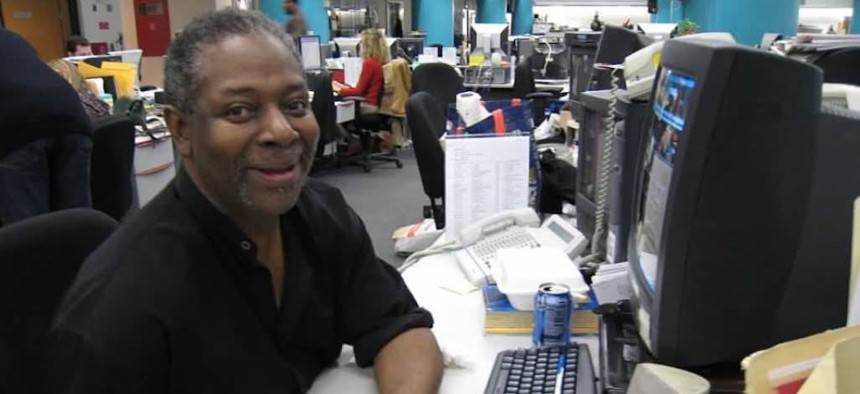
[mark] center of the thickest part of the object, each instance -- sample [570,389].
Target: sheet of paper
[431,52]
[853,292]
[450,53]
[484,176]
[351,70]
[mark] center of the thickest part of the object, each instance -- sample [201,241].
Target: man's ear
[180,131]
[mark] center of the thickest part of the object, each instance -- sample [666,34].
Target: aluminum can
[553,314]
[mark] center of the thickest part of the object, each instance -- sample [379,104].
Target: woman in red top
[375,53]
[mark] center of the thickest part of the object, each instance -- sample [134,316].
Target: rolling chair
[367,125]
[427,121]
[324,110]
[524,88]
[112,165]
[39,258]
[440,80]
[841,66]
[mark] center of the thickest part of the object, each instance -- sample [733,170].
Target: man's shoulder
[325,209]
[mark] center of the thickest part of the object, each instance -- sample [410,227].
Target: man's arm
[409,363]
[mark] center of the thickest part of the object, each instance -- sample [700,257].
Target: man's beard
[299,153]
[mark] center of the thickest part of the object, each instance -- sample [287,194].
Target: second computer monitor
[412,46]
[722,196]
[489,37]
[309,46]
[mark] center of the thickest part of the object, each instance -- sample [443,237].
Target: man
[78,46]
[296,25]
[242,276]
[45,136]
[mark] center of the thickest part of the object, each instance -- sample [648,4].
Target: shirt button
[246,245]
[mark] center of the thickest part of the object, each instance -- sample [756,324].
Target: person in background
[243,275]
[375,52]
[296,26]
[95,107]
[78,46]
[45,136]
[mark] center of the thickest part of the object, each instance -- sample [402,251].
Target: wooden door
[43,23]
[153,26]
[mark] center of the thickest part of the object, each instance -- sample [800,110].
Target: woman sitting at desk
[375,52]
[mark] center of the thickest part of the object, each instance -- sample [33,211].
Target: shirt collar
[214,222]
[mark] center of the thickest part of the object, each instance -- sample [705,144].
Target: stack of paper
[611,284]
[503,318]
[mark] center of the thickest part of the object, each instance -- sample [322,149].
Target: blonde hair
[374,46]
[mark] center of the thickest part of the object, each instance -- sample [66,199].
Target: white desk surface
[345,110]
[459,328]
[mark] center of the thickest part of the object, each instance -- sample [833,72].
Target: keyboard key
[506,365]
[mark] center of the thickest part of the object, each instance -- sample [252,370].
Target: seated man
[78,46]
[243,275]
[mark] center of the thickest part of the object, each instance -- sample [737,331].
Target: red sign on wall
[104,25]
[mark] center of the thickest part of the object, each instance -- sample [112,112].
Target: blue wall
[437,18]
[855,20]
[315,15]
[747,20]
[668,12]
[491,11]
[522,18]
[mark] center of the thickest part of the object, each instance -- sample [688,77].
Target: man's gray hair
[182,67]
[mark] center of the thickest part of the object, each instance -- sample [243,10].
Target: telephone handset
[525,217]
[516,228]
[640,67]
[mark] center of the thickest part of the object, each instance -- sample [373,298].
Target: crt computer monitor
[412,46]
[723,188]
[309,47]
[616,43]
[489,37]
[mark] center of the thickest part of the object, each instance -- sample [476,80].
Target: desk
[505,91]
[459,328]
[345,110]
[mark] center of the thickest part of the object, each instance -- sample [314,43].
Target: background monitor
[616,43]
[489,37]
[132,56]
[309,46]
[723,190]
[412,46]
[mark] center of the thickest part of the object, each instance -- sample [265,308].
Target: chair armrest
[545,95]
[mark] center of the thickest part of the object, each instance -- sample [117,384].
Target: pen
[559,376]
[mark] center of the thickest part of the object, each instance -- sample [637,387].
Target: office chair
[440,80]
[39,258]
[524,88]
[323,108]
[427,121]
[841,66]
[367,126]
[112,165]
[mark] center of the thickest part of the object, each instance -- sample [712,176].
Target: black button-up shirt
[176,301]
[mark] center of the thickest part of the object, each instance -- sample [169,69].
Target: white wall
[824,17]
[581,16]
[183,11]
[100,20]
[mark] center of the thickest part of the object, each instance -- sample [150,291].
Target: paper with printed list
[484,176]
[853,291]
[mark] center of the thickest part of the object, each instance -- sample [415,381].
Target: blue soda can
[553,313]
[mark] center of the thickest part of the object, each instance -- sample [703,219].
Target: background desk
[506,91]
[459,328]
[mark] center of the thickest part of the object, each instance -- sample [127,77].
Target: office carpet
[385,198]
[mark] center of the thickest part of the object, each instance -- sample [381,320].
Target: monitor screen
[412,46]
[671,104]
[489,37]
[311,54]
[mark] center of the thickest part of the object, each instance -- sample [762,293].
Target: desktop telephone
[516,228]
[640,67]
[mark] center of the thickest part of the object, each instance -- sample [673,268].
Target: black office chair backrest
[323,106]
[39,258]
[427,122]
[841,66]
[111,165]
[524,80]
[440,80]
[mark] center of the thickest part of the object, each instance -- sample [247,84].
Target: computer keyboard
[536,370]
